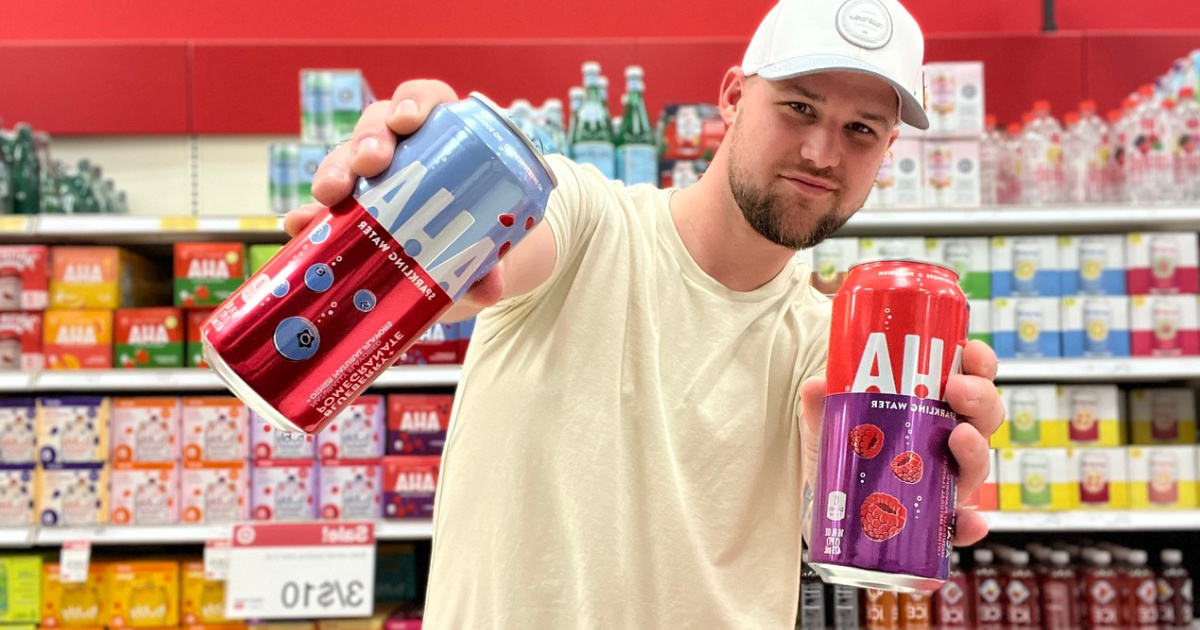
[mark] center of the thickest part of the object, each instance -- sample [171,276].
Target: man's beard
[765,213]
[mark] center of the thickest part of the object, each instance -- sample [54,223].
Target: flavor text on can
[885,492]
[340,303]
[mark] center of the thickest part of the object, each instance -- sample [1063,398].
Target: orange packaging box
[206,274]
[215,492]
[149,338]
[144,493]
[104,278]
[24,278]
[78,606]
[143,594]
[195,344]
[214,429]
[145,429]
[21,341]
[203,601]
[77,340]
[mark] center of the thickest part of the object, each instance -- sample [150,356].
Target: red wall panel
[1108,74]
[96,88]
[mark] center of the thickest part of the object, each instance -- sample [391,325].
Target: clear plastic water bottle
[1187,146]
[1042,153]
[991,146]
[1075,159]
[1149,170]
[1008,190]
[1097,148]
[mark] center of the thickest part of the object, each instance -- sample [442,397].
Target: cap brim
[912,112]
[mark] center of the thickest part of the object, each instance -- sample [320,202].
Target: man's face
[804,152]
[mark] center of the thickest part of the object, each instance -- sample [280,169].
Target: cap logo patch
[865,23]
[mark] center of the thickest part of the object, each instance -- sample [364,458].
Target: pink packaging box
[284,490]
[356,433]
[1162,262]
[214,429]
[145,429]
[267,442]
[144,493]
[215,492]
[1164,325]
[351,490]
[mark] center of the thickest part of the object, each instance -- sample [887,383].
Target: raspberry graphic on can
[866,440]
[882,516]
[908,467]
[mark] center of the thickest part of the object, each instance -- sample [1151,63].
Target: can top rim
[909,261]
[487,102]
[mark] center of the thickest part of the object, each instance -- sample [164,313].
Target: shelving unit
[1094,521]
[16,537]
[192,380]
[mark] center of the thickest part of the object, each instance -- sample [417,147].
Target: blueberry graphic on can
[281,289]
[364,301]
[296,339]
[319,277]
[320,234]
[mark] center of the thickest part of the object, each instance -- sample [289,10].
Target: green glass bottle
[575,102]
[6,184]
[592,141]
[27,182]
[637,157]
[86,202]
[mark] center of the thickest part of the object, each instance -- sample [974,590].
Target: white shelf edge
[1094,520]
[1000,220]
[191,380]
[10,537]
[1098,370]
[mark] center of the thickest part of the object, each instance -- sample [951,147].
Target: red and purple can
[884,500]
[307,333]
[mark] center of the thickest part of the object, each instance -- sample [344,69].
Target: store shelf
[191,380]
[1003,220]
[1099,370]
[415,529]
[121,229]
[1094,521]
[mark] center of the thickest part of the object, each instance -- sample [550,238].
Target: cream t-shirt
[625,449]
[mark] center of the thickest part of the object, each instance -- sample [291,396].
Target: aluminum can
[307,333]
[885,492]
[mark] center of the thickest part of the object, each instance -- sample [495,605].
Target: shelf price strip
[301,571]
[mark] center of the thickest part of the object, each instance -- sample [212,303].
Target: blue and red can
[306,335]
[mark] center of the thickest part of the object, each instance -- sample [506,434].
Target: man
[627,444]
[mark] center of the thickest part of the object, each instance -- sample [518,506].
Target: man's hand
[972,395]
[369,153]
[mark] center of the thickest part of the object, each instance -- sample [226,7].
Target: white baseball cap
[876,37]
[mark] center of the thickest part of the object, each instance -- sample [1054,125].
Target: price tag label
[179,224]
[301,570]
[73,561]
[216,560]
[14,224]
[259,224]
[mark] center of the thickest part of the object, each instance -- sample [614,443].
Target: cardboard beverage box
[970,258]
[284,490]
[1033,479]
[1164,326]
[1025,266]
[831,260]
[72,429]
[78,340]
[149,338]
[21,341]
[195,342]
[980,323]
[215,492]
[1102,475]
[1032,417]
[214,429]
[267,442]
[1095,326]
[690,131]
[144,493]
[143,594]
[955,99]
[417,423]
[409,485]
[952,175]
[24,277]
[357,432]
[1026,328]
[18,496]
[18,434]
[1162,477]
[1093,264]
[75,605]
[1162,416]
[72,494]
[206,274]
[1093,414]
[899,182]
[1163,262]
[351,489]
[145,429]
[109,278]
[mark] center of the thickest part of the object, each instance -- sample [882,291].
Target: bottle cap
[1088,106]
[1172,556]
[1071,118]
[1187,94]
[1146,90]
[1014,129]
[591,67]
[1019,557]
[1101,558]
[1137,557]
[984,556]
[632,72]
[1041,106]
[1060,558]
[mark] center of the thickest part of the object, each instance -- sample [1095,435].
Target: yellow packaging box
[203,601]
[22,584]
[72,494]
[1102,476]
[78,340]
[1036,479]
[1162,477]
[83,605]
[105,278]
[1093,415]
[72,429]
[374,622]
[1032,417]
[1162,416]
[143,594]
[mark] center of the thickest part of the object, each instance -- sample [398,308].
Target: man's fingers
[979,360]
[969,527]
[373,143]
[970,451]
[296,220]
[412,102]
[976,401]
[334,179]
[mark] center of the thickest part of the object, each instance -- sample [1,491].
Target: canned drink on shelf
[340,303]
[885,494]
[21,337]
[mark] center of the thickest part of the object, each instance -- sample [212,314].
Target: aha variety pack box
[1032,417]
[1025,266]
[149,338]
[144,493]
[214,429]
[1092,413]
[194,348]
[215,492]
[1102,475]
[409,485]
[1163,415]
[143,594]
[104,278]
[1093,264]
[21,341]
[1162,477]
[75,605]
[72,494]
[1033,479]
[72,429]
[1164,326]
[18,495]
[283,490]
[417,423]
[145,429]
[78,340]
[1095,326]
[206,274]
[1162,262]
[18,434]
[24,278]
